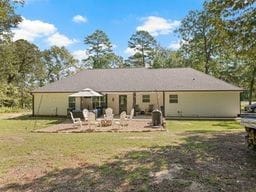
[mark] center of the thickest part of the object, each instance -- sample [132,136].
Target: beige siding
[113,101]
[156,98]
[212,104]
[51,103]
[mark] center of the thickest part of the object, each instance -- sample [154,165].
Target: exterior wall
[113,101]
[192,104]
[207,104]
[51,103]
[155,99]
[78,103]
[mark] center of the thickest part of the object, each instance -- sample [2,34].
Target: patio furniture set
[107,120]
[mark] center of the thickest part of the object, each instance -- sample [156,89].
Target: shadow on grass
[219,163]
[202,131]
[227,125]
[30,117]
[52,120]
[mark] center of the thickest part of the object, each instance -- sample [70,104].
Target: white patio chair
[130,117]
[109,114]
[76,121]
[123,120]
[92,120]
[85,114]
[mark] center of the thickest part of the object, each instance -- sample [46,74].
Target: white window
[173,98]
[146,98]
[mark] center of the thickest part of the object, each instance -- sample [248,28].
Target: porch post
[163,103]
[134,99]
[81,103]
[134,102]
[106,100]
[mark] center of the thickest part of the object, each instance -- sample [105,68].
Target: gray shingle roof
[139,79]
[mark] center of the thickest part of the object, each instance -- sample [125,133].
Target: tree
[143,45]
[59,63]
[99,50]
[198,36]
[8,18]
[28,69]
[20,69]
[237,19]
[166,58]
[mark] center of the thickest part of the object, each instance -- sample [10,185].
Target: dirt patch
[13,139]
[139,137]
[166,174]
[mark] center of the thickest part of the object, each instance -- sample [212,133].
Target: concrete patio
[135,125]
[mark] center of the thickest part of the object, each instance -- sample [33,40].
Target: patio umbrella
[86,93]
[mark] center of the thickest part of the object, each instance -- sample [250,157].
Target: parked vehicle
[249,122]
[250,108]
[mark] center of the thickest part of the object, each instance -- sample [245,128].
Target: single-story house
[177,92]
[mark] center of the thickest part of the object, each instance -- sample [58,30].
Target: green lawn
[203,151]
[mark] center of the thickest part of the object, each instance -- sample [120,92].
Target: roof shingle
[139,79]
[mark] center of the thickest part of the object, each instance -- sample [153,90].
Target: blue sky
[67,22]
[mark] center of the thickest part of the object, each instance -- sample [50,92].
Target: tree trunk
[252,85]
[143,57]
[207,56]
[10,79]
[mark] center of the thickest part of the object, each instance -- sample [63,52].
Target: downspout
[163,103]
[33,104]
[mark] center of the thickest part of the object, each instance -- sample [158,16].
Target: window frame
[173,98]
[72,104]
[146,100]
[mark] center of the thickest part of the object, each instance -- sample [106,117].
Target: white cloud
[80,54]
[129,51]
[175,45]
[32,29]
[158,25]
[79,19]
[60,40]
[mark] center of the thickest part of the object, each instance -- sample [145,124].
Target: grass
[13,110]
[112,159]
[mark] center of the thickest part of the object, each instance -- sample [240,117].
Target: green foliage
[165,58]
[236,20]
[143,44]
[220,40]
[58,63]
[8,17]
[99,50]
[20,69]
[198,37]
[9,95]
